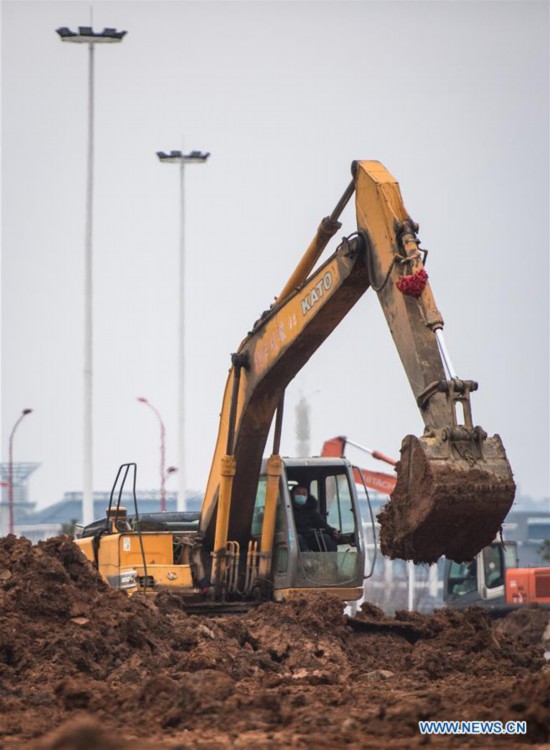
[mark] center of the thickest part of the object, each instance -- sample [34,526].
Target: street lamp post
[164,473]
[177,157]
[86,35]
[10,468]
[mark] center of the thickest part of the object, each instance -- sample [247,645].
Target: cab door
[322,561]
[492,573]
[284,542]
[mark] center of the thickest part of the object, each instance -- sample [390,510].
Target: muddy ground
[84,667]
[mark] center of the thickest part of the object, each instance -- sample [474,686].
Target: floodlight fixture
[177,157]
[86,35]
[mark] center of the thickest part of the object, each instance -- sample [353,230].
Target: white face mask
[300,499]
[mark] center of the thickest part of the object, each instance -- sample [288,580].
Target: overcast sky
[452,97]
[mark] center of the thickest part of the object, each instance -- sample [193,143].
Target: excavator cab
[480,581]
[306,558]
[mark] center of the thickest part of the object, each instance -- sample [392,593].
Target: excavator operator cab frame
[331,482]
[482,580]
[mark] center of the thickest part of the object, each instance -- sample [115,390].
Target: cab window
[493,566]
[510,555]
[339,503]
[462,578]
[259,507]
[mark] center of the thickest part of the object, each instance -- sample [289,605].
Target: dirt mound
[531,624]
[83,733]
[450,641]
[80,662]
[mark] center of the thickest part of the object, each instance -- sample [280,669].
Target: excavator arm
[454,485]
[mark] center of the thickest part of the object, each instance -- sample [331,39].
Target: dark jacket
[307,517]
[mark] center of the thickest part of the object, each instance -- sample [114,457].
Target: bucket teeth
[450,499]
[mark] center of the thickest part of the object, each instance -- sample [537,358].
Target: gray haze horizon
[452,97]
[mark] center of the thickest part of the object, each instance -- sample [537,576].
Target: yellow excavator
[454,483]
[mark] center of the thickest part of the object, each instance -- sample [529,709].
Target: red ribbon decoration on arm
[414,284]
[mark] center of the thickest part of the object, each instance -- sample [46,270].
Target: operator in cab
[314,533]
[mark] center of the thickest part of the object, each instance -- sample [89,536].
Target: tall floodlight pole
[86,35]
[177,157]
[10,467]
[163,472]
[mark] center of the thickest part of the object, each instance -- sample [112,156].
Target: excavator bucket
[450,499]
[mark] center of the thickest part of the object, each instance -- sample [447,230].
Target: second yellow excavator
[454,483]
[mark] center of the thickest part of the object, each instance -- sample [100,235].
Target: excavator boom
[267,360]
